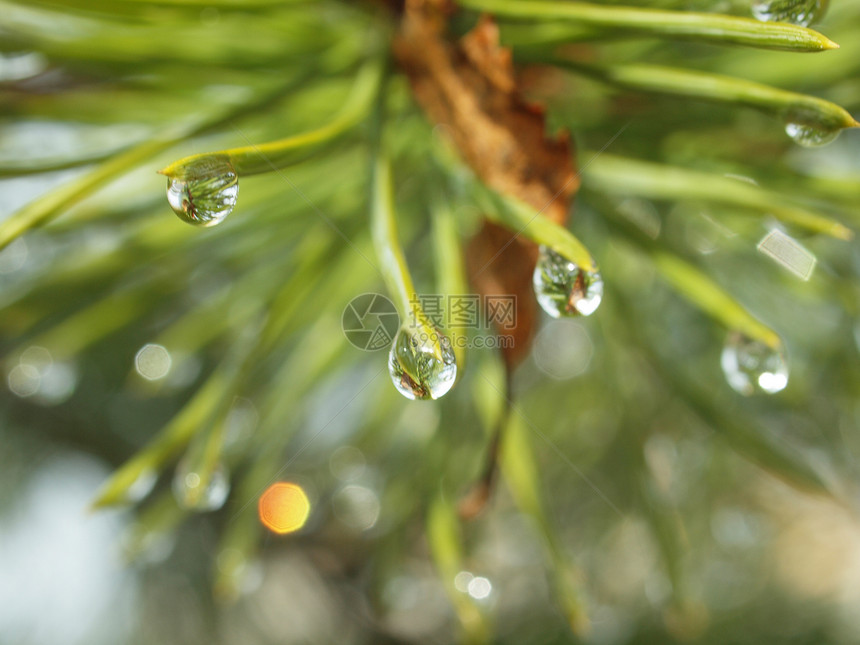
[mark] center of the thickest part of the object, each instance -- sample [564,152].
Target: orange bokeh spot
[284,507]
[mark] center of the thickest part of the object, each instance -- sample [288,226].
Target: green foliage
[615,478]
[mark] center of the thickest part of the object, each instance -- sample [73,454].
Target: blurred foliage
[641,500]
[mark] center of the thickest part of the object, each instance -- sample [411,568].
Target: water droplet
[192,493]
[810,136]
[416,370]
[205,193]
[563,289]
[750,365]
[798,12]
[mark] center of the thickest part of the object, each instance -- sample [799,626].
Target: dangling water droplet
[192,494]
[415,368]
[750,365]
[810,136]
[563,288]
[205,193]
[798,12]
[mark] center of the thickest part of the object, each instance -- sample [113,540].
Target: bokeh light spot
[152,362]
[284,508]
[479,588]
[24,380]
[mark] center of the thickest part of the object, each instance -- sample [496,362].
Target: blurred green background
[642,500]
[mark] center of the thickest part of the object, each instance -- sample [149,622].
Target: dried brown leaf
[469,87]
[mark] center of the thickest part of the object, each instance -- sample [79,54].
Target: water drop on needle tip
[205,193]
[415,368]
[810,136]
[563,288]
[751,366]
[798,12]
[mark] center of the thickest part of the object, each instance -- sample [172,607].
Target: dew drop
[193,494]
[750,365]
[798,12]
[810,136]
[415,369]
[205,193]
[563,288]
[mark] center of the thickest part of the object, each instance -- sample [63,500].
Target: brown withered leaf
[470,88]
[498,266]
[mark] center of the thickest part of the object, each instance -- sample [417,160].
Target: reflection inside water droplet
[798,12]
[810,136]
[750,365]
[415,368]
[194,494]
[205,193]
[563,288]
